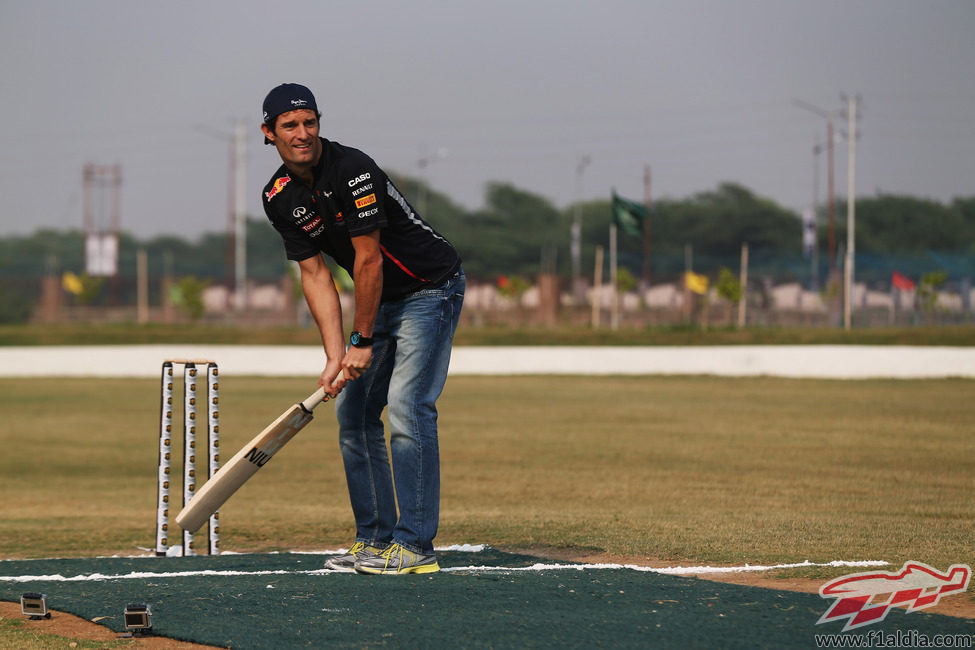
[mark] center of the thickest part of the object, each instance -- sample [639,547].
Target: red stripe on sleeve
[400,264]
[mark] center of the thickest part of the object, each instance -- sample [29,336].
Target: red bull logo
[279,184]
[865,598]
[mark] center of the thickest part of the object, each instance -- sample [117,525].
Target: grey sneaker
[346,562]
[397,560]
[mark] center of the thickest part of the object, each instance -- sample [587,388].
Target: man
[409,289]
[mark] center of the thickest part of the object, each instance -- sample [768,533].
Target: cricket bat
[247,461]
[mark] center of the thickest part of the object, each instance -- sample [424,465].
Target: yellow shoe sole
[422,568]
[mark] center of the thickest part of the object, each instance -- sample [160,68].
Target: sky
[521,92]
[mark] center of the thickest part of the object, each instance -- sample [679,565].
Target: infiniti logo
[299,212]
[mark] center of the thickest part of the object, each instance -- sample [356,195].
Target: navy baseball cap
[284,98]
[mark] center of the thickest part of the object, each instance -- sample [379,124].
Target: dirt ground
[73,627]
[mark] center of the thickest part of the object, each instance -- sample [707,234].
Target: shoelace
[357,548]
[392,549]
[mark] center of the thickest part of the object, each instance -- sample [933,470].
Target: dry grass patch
[688,469]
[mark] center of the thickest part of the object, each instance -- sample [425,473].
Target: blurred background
[611,164]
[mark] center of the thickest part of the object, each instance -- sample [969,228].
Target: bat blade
[252,457]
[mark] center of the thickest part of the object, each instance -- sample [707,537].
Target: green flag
[628,215]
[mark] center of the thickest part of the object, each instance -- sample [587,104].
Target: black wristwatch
[357,340]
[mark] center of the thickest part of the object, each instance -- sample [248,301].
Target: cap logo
[285,98]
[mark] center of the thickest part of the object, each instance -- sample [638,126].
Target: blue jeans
[411,351]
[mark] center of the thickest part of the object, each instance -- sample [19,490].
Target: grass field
[675,470]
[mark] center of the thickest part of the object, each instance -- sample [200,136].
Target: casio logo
[358,179]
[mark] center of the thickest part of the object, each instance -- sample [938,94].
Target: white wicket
[190,376]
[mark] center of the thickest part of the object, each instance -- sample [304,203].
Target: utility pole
[848,270]
[645,278]
[829,175]
[813,249]
[236,249]
[101,240]
[578,285]
[231,228]
[240,214]
[613,277]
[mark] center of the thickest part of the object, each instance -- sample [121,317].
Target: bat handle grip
[314,399]
[317,397]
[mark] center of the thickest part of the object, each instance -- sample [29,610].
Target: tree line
[519,233]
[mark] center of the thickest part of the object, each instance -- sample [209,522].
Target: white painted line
[148,552]
[535,568]
[141,575]
[696,570]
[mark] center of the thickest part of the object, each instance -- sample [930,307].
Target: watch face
[354,339]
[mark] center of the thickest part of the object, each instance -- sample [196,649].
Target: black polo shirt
[352,196]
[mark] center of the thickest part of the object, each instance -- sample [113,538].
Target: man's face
[296,138]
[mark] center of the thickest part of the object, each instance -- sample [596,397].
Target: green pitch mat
[482,598]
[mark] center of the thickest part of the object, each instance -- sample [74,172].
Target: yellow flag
[696,283]
[72,283]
